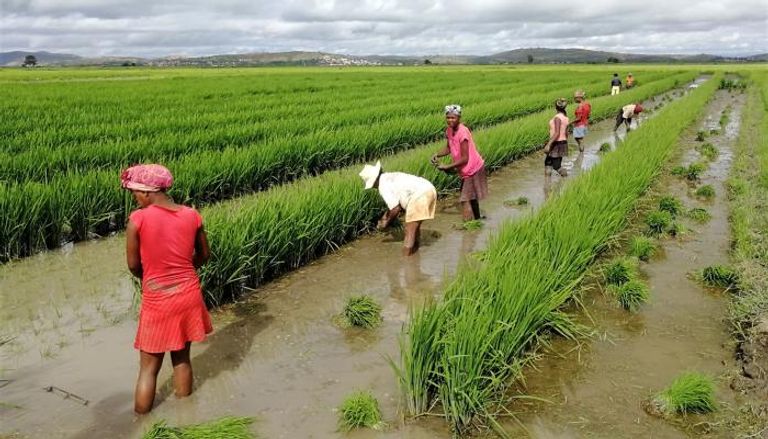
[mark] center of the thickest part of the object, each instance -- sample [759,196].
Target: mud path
[597,389]
[276,356]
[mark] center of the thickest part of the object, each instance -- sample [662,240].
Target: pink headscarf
[146,178]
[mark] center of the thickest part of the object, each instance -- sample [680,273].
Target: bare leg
[581,147]
[563,172]
[146,385]
[410,244]
[475,209]
[467,212]
[182,372]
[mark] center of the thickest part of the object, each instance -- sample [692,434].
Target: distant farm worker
[626,114]
[466,162]
[630,81]
[615,85]
[581,123]
[403,192]
[557,146]
[165,244]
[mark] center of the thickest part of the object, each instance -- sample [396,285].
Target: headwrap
[561,103]
[146,178]
[579,94]
[638,108]
[453,109]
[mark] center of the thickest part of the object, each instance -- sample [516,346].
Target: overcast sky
[405,27]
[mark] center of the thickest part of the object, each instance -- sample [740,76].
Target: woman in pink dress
[467,162]
[165,244]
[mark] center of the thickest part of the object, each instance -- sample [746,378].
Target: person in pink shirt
[466,162]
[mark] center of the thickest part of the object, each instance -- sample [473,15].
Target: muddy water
[276,356]
[597,389]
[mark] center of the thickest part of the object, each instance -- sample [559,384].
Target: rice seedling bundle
[707,150]
[642,247]
[631,294]
[691,392]
[224,428]
[706,191]
[671,204]
[362,311]
[699,214]
[465,350]
[658,221]
[620,271]
[74,206]
[360,410]
[719,276]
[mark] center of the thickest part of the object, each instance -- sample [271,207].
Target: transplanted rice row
[464,351]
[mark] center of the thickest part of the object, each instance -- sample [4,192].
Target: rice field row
[256,237]
[52,151]
[460,354]
[77,206]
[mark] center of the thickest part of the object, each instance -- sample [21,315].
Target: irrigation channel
[276,355]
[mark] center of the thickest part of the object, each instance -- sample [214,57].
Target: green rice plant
[605,147]
[677,229]
[620,271]
[714,132]
[360,410]
[461,354]
[679,171]
[658,221]
[699,214]
[471,225]
[694,171]
[519,201]
[719,276]
[671,204]
[228,427]
[707,150]
[642,247]
[689,393]
[701,135]
[362,311]
[706,191]
[631,294]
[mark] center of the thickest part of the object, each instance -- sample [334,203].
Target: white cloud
[152,28]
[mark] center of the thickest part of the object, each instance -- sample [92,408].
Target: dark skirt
[474,187]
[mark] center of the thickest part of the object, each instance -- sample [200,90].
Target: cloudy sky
[406,27]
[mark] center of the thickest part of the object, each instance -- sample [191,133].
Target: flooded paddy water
[278,356]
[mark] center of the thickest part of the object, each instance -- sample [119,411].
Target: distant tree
[30,61]
[530,59]
[427,62]
[613,60]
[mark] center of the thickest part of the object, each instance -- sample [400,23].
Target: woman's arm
[132,253]
[388,217]
[463,160]
[442,153]
[202,251]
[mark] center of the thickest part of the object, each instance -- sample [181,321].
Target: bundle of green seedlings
[462,353]
[224,428]
[699,214]
[360,410]
[84,202]
[362,312]
[701,135]
[665,219]
[719,276]
[519,201]
[257,237]
[707,150]
[624,283]
[691,172]
[707,192]
[691,392]
[642,247]
[605,147]
[471,225]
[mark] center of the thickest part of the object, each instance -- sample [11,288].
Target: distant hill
[517,56]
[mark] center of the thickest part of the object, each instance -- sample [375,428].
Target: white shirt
[629,111]
[398,188]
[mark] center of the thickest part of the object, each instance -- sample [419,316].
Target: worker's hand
[382,224]
[546,149]
[434,160]
[445,168]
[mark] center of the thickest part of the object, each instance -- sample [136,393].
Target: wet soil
[598,388]
[276,356]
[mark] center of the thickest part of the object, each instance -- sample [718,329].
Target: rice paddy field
[625,300]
